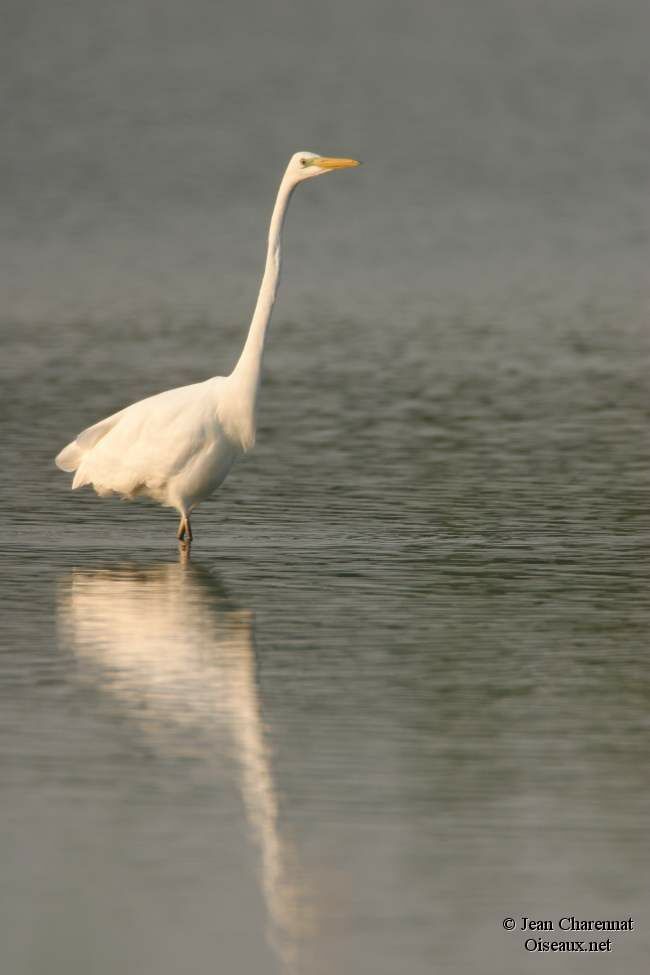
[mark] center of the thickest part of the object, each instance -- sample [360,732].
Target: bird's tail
[70,457]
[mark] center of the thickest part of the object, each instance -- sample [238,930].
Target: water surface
[399,692]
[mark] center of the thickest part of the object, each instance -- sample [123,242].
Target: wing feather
[141,448]
[70,457]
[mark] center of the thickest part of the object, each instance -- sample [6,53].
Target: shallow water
[399,692]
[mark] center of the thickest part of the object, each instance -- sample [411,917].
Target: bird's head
[305,165]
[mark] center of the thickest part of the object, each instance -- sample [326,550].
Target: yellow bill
[328,162]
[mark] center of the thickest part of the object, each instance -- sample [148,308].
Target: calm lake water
[400,691]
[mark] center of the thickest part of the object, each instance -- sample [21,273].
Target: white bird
[178,446]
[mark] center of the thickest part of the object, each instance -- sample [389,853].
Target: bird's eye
[303,162]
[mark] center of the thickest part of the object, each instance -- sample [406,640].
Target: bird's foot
[184,529]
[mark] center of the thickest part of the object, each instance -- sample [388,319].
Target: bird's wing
[70,457]
[148,442]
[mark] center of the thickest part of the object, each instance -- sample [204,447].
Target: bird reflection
[168,642]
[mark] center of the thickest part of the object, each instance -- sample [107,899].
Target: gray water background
[400,692]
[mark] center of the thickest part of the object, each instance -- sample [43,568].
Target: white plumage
[178,446]
[171,447]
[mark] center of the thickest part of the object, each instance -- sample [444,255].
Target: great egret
[178,446]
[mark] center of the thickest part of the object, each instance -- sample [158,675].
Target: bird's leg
[184,529]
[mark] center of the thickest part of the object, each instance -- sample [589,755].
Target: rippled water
[399,692]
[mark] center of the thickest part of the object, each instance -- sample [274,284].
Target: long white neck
[247,372]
